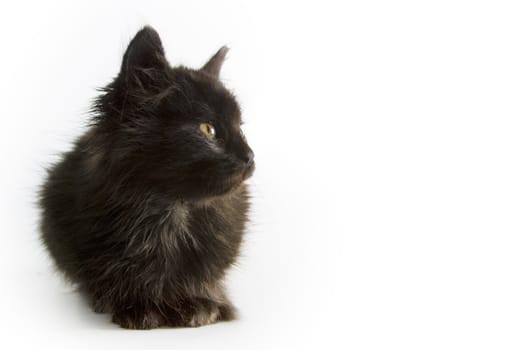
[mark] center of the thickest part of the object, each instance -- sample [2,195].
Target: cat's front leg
[196,312]
[138,316]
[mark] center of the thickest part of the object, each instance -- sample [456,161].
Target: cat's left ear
[145,51]
[214,64]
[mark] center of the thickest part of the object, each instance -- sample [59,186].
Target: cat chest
[198,241]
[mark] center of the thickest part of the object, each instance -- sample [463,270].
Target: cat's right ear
[144,52]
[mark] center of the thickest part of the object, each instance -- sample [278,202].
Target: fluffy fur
[146,213]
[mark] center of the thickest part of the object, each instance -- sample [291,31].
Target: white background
[389,196]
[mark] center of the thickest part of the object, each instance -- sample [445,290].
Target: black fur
[146,213]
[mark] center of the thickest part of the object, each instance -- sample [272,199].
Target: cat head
[172,129]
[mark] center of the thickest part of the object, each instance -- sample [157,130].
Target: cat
[148,211]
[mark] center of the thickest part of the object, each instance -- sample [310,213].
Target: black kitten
[148,210]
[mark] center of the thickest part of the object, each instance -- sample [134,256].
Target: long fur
[146,213]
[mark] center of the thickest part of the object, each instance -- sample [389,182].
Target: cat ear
[214,64]
[144,51]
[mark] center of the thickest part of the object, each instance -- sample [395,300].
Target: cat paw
[134,319]
[206,313]
[201,312]
[227,312]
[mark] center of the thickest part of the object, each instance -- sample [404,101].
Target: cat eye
[208,130]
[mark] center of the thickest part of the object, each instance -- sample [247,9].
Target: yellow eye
[208,130]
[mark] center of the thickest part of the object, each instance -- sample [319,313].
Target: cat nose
[248,158]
